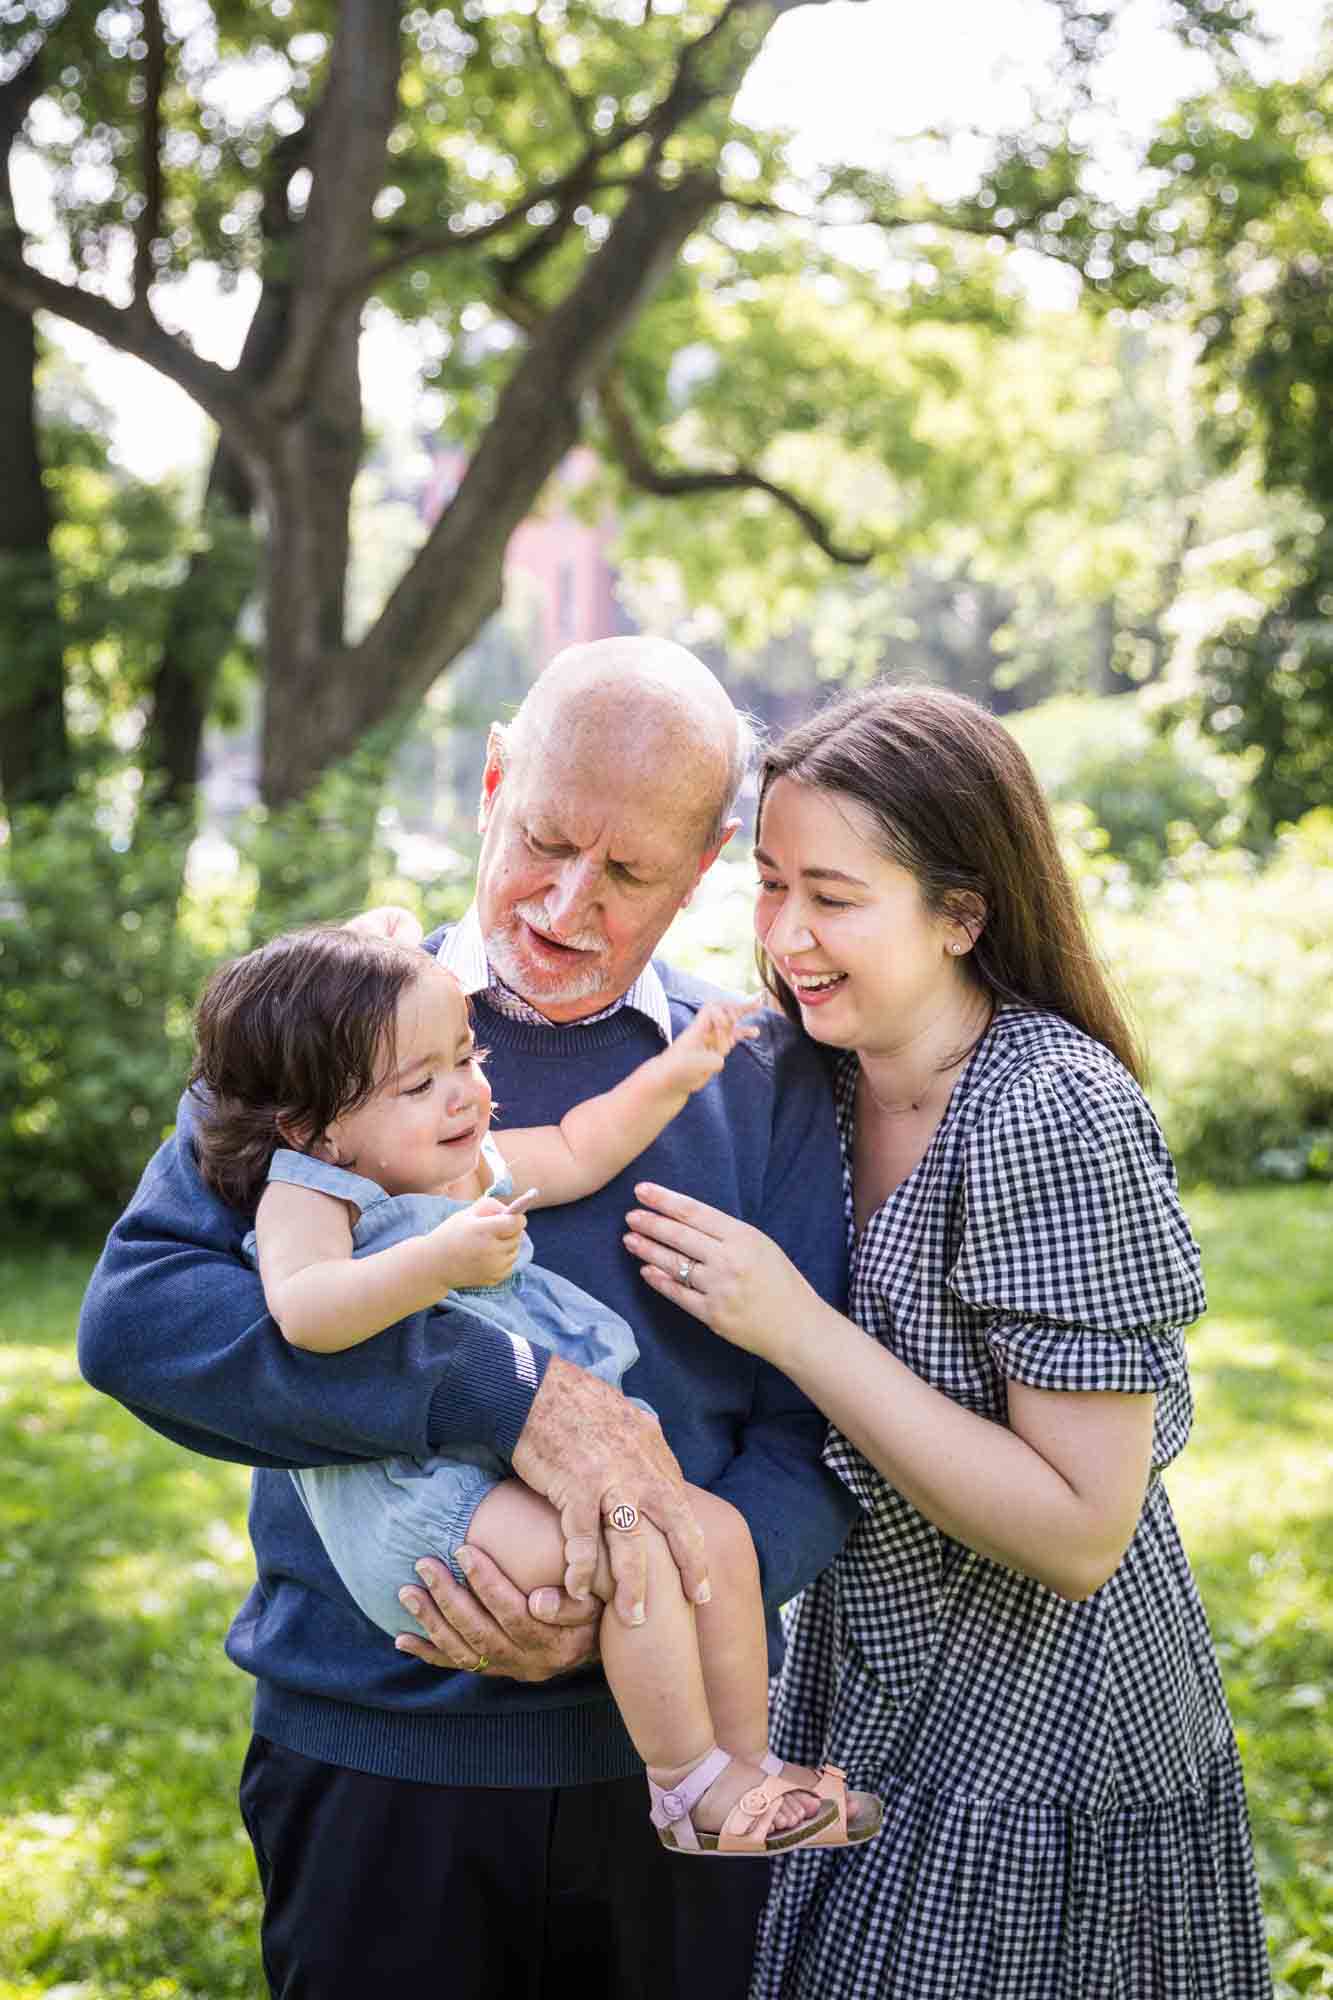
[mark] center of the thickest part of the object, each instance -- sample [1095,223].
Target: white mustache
[536,915]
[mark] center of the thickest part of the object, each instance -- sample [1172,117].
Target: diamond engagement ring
[683,1269]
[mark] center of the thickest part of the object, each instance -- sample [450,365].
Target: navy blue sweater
[174,1326]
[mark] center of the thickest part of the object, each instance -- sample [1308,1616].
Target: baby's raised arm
[595,1140]
[326,1300]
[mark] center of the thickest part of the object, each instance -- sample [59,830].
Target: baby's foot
[730,1787]
[864,1810]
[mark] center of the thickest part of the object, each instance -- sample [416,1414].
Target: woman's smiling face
[846,928]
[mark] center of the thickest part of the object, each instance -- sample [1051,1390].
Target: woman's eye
[766,887]
[831,903]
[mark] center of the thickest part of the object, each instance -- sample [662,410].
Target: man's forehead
[623,811]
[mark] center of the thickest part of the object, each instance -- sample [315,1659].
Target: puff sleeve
[1075,1250]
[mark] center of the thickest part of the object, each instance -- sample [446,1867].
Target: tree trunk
[1106,677]
[323,704]
[36,762]
[202,623]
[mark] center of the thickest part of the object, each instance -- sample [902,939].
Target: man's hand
[479,1244]
[494,1622]
[591,1453]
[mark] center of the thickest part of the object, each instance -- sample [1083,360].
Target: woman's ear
[965,912]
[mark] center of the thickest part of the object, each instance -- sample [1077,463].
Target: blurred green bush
[1153,789]
[97,976]
[105,944]
[1229,969]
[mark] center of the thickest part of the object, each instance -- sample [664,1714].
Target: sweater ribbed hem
[584,1744]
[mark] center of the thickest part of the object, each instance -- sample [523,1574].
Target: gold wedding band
[483,1661]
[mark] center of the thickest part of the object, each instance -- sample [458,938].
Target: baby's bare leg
[733,1647]
[733,1642]
[666,1673]
[653,1668]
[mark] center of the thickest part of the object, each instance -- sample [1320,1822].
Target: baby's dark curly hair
[287,1039]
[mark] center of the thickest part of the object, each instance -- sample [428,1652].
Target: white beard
[538,983]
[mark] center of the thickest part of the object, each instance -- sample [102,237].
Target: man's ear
[493,774]
[709,857]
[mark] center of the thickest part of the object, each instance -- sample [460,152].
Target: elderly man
[483,1828]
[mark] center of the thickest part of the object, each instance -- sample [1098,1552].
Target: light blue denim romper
[379,1518]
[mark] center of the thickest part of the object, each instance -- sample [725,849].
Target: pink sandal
[747,1827]
[831,1783]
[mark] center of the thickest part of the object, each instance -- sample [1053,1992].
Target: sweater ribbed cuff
[487,1393]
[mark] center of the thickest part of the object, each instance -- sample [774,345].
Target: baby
[343,1093]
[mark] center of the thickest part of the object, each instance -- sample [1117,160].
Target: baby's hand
[699,1052]
[389,920]
[478,1246]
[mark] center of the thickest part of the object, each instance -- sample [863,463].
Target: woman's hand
[738,1282]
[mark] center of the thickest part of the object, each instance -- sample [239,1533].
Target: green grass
[124,1874]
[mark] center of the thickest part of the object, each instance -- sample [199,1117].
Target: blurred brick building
[561,555]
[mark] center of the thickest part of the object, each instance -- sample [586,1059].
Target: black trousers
[481,1893]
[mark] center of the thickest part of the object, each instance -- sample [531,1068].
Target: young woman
[1011,1648]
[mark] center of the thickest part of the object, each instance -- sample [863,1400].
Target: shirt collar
[463,952]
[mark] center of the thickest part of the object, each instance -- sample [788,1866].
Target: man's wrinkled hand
[592,1454]
[491,1622]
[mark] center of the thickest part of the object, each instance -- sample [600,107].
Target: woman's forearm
[976,1480]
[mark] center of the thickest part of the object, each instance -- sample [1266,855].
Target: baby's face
[421,1131]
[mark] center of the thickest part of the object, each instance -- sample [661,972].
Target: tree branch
[347,159]
[17,98]
[684,95]
[435,607]
[641,472]
[578,110]
[215,389]
[148,222]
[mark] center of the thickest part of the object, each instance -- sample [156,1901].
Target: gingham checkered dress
[1064,1811]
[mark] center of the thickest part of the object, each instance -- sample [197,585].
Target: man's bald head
[652,706]
[603,803]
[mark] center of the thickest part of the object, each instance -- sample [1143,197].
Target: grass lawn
[124,1874]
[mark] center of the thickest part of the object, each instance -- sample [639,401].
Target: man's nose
[571,896]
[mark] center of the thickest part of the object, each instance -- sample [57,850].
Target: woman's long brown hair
[951,798]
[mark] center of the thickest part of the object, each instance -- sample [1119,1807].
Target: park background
[354,357]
